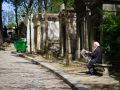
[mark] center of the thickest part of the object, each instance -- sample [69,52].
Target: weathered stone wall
[38,29]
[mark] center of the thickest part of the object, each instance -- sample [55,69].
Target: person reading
[95,55]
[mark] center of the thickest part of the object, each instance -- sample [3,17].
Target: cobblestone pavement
[19,74]
[77,76]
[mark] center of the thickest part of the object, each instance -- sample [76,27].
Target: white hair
[97,43]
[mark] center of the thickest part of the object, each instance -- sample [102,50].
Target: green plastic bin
[20,45]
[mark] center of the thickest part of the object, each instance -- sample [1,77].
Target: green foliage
[111,31]
[55,5]
[70,3]
[11,25]
[16,2]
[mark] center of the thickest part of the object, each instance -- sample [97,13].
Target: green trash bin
[20,46]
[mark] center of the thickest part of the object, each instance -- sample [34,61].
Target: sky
[7,7]
[8,13]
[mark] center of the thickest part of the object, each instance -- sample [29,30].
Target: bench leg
[106,72]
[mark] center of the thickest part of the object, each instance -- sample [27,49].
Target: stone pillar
[61,39]
[78,47]
[86,46]
[68,43]
[37,32]
[42,36]
[39,37]
[35,38]
[79,37]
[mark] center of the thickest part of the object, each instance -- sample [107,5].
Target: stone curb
[59,73]
[64,77]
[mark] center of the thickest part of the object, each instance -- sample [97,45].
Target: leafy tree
[45,7]
[111,31]
[16,4]
[28,5]
[1,25]
[68,3]
[11,25]
[55,6]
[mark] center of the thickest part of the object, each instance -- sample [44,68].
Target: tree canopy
[55,5]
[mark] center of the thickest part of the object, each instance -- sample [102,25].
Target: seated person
[96,57]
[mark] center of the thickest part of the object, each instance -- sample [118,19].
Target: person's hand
[86,51]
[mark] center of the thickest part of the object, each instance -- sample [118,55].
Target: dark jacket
[96,55]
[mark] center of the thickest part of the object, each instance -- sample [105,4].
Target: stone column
[85,33]
[37,32]
[39,37]
[78,30]
[35,38]
[78,47]
[61,40]
[68,42]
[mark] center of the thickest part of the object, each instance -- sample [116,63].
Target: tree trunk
[46,32]
[30,34]
[42,37]
[39,38]
[68,41]
[46,26]
[85,34]
[16,16]
[78,30]
[61,39]
[1,37]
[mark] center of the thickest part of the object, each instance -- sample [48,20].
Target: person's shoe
[92,71]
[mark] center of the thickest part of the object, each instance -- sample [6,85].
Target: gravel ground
[19,74]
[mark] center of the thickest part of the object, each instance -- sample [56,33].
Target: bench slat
[103,65]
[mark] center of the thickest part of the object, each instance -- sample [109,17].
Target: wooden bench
[102,69]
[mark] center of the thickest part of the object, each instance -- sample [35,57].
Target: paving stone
[16,73]
[80,80]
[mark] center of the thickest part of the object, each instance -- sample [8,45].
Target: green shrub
[111,33]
